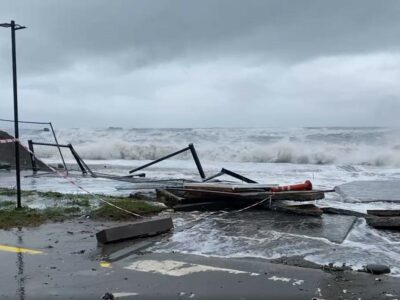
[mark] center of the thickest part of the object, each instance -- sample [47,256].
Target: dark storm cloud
[136,33]
[173,56]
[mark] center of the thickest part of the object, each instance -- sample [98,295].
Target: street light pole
[15,27]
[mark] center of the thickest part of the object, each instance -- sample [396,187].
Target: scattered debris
[5,166]
[108,296]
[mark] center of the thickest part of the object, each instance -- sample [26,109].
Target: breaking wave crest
[353,146]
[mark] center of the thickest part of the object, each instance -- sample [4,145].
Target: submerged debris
[108,296]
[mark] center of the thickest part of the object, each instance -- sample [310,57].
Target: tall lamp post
[15,27]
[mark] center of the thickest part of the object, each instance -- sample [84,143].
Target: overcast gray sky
[204,63]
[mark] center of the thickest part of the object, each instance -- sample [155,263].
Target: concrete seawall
[7,155]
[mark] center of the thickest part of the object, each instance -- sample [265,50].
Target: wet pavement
[64,261]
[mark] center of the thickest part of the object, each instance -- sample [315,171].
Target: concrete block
[139,228]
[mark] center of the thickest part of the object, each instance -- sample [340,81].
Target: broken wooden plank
[249,196]
[298,195]
[168,198]
[140,228]
[384,222]
[200,206]
[340,211]
[227,187]
[384,212]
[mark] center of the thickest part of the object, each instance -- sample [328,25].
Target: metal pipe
[58,146]
[49,144]
[160,159]
[82,162]
[76,156]
[213,176]
[197,161]
[237,176]
[33,161]
[26,122]
[16,129]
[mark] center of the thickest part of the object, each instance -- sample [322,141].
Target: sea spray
[339,146]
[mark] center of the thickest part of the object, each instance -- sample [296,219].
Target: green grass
[12,217]
[81,202]
[77,204]
[108,212]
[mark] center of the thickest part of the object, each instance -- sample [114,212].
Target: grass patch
[106,211]
[76,204]
[81,202]
[23,217]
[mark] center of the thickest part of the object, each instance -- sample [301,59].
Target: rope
[255,204]
[7,141]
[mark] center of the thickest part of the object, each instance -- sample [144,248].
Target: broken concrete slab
[384,212]
[341,211]
[304,209]
[139,228]
[7,153]
[384,222]
[370,191]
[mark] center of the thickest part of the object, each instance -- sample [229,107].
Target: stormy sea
[328,156]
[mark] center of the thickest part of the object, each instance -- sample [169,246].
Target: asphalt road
[64,261]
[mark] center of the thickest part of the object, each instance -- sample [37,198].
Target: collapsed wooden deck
[227,195]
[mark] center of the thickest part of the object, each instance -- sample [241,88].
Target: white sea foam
[326,156]
[340,146]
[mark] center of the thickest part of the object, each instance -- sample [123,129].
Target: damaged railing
[190,148]
[82,165]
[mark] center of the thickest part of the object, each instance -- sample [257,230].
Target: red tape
[7,141]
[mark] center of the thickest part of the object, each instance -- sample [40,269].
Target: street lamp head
[16,26]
